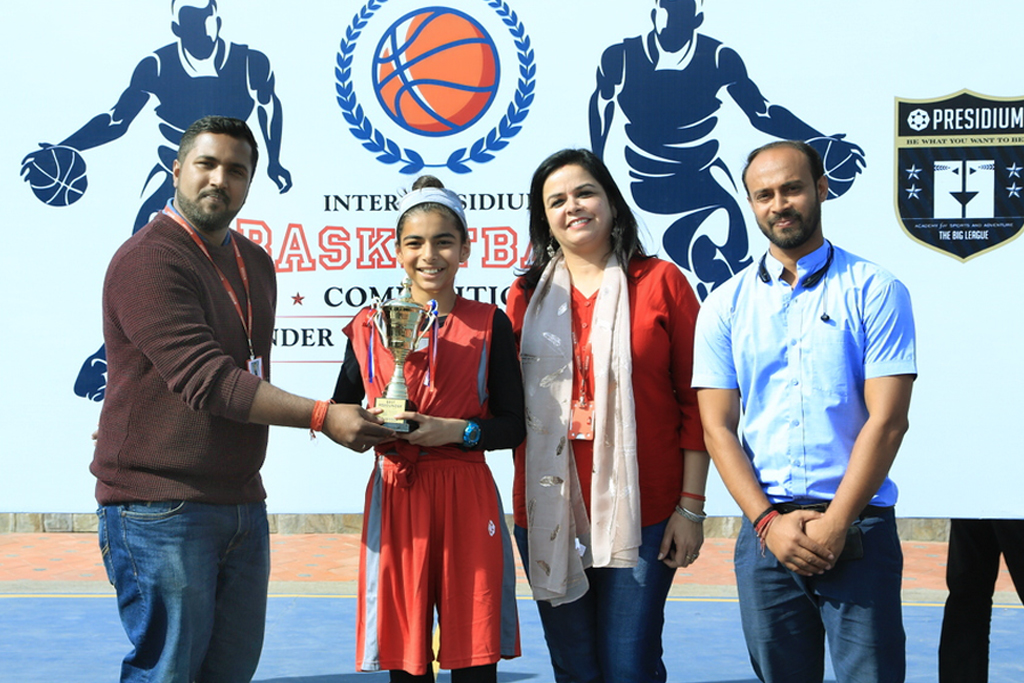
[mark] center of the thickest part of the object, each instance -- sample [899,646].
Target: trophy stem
[397,387]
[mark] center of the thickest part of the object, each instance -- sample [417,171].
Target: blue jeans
[856,605]
[191,583]
[613,633]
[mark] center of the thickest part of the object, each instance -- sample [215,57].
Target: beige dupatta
[562,541]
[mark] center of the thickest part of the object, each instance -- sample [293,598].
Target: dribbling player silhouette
[664,87]
[198,75]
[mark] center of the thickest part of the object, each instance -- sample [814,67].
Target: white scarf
[562,541]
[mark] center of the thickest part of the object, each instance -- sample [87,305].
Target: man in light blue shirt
[804,366]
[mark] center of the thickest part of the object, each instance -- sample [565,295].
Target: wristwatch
[471,435]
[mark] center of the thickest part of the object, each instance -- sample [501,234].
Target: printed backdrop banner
[351,100]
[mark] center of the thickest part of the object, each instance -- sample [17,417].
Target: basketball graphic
[841,163]
[436,71]
[56,175]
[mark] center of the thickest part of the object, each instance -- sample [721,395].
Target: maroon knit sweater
[173,425]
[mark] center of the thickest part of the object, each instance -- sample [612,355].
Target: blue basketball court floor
[68,631]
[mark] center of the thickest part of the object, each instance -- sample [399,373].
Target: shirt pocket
[830,357]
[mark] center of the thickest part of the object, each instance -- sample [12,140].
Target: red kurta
[663,311]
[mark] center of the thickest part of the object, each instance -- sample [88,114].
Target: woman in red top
[609,488]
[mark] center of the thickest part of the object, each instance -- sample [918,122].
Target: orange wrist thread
[316,423]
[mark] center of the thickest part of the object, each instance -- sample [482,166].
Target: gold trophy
[401,323]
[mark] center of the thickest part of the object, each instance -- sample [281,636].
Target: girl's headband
[436,195]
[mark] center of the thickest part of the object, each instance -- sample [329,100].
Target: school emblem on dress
[424,88]
[960,171]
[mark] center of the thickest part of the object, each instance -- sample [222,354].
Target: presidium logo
[960,172]
[435,74]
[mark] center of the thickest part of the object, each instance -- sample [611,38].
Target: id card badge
[581,421]
[255,366]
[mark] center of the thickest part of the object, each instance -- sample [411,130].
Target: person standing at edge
[814,348]
[188,314]
[434,532]
[609,490]
[972,569]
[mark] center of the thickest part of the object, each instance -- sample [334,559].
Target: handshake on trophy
[401,323]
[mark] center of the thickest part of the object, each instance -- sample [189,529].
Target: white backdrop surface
[836,66]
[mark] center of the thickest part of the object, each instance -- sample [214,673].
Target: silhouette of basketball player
[665,86]
[198,75]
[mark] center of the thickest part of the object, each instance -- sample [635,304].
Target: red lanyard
[246,322]
[584,365]
[581,413]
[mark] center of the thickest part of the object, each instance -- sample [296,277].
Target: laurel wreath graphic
[390,152]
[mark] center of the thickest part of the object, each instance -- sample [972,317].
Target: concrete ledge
[910,529]
[722,527]
[84,522]
[349,523]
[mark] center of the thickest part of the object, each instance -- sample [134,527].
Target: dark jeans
[613,633]
[856,605]
[971,572]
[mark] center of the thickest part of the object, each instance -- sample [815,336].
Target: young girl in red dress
[434,534]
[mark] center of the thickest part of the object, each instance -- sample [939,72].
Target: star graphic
[1014,190]
[913,192]
[1014,170]
[297,299]
[914,172]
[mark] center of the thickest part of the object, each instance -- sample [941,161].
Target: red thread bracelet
[761,528]
[316,423]
[767,511]
[692,496]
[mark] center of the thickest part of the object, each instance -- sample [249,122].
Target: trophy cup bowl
[401,323]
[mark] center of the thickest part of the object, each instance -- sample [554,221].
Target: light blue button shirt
[799,357]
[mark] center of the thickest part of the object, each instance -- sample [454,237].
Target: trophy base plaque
[391,408]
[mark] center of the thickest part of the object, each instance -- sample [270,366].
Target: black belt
[868,511]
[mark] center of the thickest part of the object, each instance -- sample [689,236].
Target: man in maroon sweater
[188,314]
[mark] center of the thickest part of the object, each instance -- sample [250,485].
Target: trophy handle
[377,320]
[427,322]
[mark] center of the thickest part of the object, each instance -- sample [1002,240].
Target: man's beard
[792,239]
[205,221]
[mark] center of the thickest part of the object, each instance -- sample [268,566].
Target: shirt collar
[804,267]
